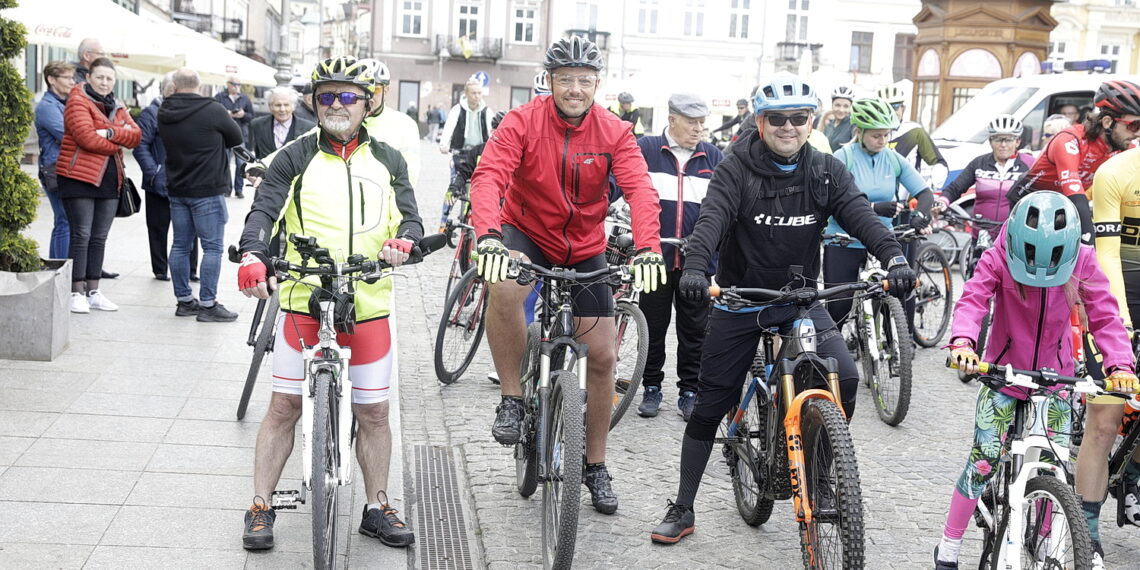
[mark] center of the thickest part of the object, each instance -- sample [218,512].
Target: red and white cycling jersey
[1068,163]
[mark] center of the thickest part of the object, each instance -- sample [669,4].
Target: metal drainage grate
[441,532]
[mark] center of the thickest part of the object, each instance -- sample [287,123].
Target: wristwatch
[897,261]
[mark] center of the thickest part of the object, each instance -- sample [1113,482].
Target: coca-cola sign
[53,31]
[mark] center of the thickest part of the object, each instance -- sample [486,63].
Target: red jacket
[550,179]
[83,154]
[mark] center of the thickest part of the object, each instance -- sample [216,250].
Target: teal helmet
[1042,239]
[873,113]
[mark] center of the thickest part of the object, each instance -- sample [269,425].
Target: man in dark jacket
[151,157]
[196,133]
[764,214]
[241,110]
[680,165]
[270,132]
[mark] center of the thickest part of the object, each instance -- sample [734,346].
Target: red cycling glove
[255,268]
[401,245]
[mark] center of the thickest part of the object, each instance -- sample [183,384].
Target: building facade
[1097,29]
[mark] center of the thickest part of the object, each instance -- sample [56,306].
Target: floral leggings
[992,419]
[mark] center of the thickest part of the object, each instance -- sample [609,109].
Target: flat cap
[688,105]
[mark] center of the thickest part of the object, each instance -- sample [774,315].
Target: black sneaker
[216,313]
[650,402]
[383,523]
[258,533]
[679,522]
[597,479]
[508,420]
[685,403]
[187,308]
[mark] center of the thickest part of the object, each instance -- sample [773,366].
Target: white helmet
[1005,125]
[843,92]
[541,86]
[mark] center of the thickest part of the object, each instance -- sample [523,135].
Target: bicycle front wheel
[261,346]
[890,370]
[526,451]
[324,480]
[460,327]
[834,536]
[934,294]
[1055,533]
[632,350]
[565,444]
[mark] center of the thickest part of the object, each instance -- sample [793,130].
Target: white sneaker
[79,303]
[100,302]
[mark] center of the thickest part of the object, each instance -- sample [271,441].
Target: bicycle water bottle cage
[344,309]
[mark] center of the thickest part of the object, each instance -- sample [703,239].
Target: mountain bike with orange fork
[788,437]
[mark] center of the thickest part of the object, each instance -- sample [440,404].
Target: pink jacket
[1034,333]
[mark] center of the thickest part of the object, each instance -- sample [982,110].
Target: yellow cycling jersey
[1115,194]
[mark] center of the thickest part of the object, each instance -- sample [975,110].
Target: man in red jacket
[541,192]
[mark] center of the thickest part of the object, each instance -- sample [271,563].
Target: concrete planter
[35,311]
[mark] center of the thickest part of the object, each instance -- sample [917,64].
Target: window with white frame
[468,19]
[738,18]
[861,43]
[411,18]
[1111,52]
[524,22]
[647,17]
[694,18]
[797,21]
[586,15]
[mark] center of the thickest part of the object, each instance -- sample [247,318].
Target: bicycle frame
[329,356]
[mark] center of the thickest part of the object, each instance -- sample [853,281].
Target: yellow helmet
[346,69]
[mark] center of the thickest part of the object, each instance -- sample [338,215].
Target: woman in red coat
[90,171]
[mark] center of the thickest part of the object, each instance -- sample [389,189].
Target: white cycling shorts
[370,367]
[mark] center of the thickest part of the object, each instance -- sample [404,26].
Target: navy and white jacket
[680,194]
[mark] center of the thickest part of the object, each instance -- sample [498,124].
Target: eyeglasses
[570,80]
[234,83]
[897,106]
[1047,135]
[778,120]
[1003,140]
[1132,126]
[346,98]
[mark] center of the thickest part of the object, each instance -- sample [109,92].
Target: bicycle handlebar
[962,217]
[518,270]
[997,376]
[425,246]
[802,296]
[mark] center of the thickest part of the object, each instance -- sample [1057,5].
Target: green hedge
[18,191]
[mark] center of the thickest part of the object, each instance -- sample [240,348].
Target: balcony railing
[478,48]
[788,54]
[602,39]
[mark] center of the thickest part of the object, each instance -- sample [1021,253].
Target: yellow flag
[465,47]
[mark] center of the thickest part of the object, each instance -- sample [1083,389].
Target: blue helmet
[1042,239]
[785,91]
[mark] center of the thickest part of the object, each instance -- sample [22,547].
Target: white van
[965,134]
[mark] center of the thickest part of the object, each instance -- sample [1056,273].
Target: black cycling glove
[901,279]
[885,209]
[694,285]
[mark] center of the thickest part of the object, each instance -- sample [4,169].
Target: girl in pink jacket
[1036,272]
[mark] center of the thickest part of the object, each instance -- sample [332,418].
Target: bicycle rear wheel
[526,453]
[834,536]
[1055,533]
[890,371]
[565,445]
[460,327]
[747,457]
[632,350]
[263,345]
[934,295]
[324,480]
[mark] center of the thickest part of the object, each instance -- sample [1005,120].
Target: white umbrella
[129,39]
[213,61]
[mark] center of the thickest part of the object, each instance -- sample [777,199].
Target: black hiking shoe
[508,420]
[187,308]
[259,519]
[216,313]
[383,524]
[597,479]
[679,522]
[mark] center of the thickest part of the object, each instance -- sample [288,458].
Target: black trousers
[725,361]
[692,317]
[158,229]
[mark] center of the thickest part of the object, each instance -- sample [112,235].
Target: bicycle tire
[526,452]
[630,357]
[890,384]
[934,296]
[565,441]
[1078,553]
[827,447]
[967,259]
[323,474]
[460,328]
[749,469]
[263,345]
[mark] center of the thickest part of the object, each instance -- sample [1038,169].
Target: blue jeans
[204,218]
[60,231]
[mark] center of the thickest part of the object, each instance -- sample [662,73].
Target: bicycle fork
[548,467]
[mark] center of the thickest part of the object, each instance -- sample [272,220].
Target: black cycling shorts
[594,300]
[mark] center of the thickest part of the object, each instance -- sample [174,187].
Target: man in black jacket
[241,110]
[196,132]
[270,132]
[764,213]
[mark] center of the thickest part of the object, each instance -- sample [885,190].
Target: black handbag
[130,202]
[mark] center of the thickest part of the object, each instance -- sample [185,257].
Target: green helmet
[873,113]
[1042,240]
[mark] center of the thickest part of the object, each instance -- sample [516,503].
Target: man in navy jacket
[680,165]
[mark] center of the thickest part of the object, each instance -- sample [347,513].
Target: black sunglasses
[346,98]
[779,120]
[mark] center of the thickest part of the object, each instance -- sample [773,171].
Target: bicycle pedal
[287,499]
